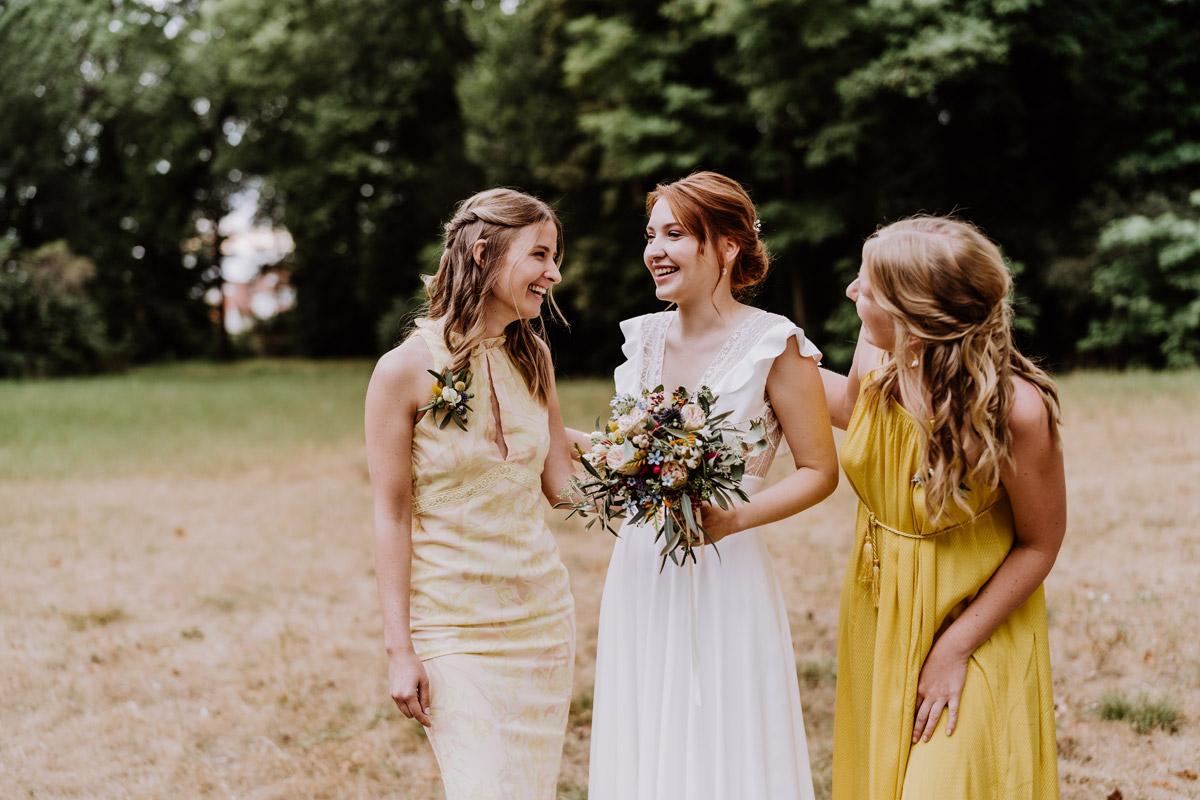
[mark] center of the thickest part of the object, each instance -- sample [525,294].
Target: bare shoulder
[1028,418]
[405,361]
[401,373]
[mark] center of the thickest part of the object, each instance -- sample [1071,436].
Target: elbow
[829,482]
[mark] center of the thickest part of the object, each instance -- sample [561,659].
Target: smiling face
[528,273]
[879,328]
[681,270]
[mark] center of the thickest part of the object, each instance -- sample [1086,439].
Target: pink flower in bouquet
[692,416]
[633,422]
[617,463]
[673,475]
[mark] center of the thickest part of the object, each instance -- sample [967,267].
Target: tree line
[1067,130]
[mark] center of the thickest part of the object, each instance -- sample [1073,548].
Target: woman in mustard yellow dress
[952,446]
[478,616]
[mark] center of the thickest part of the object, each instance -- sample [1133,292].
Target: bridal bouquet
[661,456]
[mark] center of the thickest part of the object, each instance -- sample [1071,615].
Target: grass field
[187,603]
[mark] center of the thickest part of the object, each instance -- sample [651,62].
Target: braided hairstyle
[946,287]
[457,293]
[710,206]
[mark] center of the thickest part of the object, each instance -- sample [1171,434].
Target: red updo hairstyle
[710,207]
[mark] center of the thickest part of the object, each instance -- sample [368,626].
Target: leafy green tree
[347,112]
[49,324]
[1148,283]
[104,155]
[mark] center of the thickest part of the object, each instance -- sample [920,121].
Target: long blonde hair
[461,286]
[946,287]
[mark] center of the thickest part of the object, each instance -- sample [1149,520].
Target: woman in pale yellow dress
[952,446]
[477,612]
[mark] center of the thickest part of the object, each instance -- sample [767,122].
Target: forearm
[835,398]
[556,480]
[1018,577]
[393,575]
[802,489]
[577,438]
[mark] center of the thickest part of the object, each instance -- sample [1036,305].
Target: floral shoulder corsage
[450,395]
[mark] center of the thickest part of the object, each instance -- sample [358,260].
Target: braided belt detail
[868,564]
[522,476]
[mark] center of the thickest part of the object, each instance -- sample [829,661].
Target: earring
[722,272]
[915,361]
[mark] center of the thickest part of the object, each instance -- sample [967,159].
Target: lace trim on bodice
[654,345]
[738,345]
[736,348]
[758,466]
[516,473]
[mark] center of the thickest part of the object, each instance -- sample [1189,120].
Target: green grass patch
[584,401]
[815,672]
[95,619]
[198,418]
[1143,712]
[580,713]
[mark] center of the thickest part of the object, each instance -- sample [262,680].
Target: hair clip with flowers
[757,225]
[450,395]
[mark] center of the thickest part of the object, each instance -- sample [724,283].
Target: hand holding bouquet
[661,456]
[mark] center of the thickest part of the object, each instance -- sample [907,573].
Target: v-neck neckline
[662,351]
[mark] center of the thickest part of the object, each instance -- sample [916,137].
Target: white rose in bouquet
[449,395]
[633,422]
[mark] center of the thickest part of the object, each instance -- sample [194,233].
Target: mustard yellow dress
[491,612]
[907,581]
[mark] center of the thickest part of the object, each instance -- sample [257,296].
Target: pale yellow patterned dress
[492,616]
[908,580]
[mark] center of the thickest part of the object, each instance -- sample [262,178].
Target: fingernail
[427,711]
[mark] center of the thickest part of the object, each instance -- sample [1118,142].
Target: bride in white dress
[696,693]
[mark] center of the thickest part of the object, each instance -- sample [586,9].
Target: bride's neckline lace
[654,347]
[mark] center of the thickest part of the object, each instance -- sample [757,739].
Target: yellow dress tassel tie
[868,562]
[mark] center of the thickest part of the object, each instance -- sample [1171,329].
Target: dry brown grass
[179,632]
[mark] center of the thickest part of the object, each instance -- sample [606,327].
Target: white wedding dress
[696,693]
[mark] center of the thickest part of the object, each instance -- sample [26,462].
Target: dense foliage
[129,128]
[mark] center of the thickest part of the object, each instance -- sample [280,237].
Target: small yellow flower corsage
[450,395]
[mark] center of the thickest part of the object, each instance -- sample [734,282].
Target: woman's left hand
[939,687]
[718,522]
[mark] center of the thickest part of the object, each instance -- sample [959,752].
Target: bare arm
[577,437]
[393,397]
[841,392]
[794,386]
[1036,486]
[558,469]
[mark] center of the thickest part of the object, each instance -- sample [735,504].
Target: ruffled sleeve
[627,376]
[742,388]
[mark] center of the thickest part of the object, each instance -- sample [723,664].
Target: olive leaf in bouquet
[659,458]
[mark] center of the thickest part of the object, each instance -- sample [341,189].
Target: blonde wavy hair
[459,289]
[946,287]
